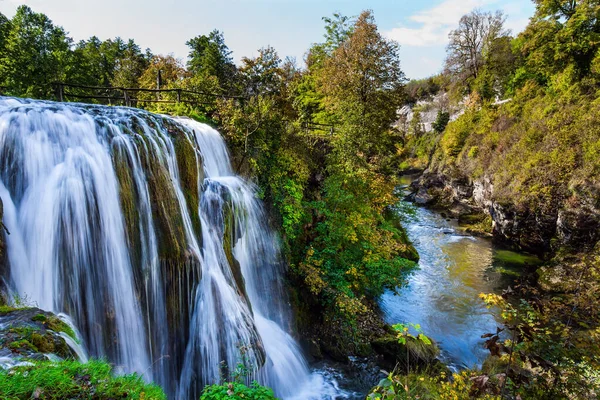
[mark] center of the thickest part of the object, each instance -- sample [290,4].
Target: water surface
[442,295]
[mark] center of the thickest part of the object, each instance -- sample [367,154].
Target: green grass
[73,380]
[8,309]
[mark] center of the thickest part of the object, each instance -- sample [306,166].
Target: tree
[130,65]
[91,64]
[262,75]
[563,38]
[4,31]
[210,62]
[172,73]
[557,8]
[472,42]
[363,84]
[36,54]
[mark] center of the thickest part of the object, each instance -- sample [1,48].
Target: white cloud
[434,24]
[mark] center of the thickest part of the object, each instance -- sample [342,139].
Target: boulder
[30,334]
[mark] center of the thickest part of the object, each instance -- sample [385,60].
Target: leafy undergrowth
[463,386]
[73,380]
[235,391]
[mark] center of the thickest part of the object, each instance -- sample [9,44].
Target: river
[442,294]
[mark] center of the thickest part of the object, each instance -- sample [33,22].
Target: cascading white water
[136,226]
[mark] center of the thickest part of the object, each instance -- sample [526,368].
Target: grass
[73,380]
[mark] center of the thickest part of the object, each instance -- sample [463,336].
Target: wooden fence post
[59,92]
[127,100]
[178,96]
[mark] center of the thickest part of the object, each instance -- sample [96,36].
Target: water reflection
[443,294]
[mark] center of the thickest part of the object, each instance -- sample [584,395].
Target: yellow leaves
[349,305]
[313,274]
[492,300]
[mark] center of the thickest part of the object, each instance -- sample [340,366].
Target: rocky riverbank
[572,223]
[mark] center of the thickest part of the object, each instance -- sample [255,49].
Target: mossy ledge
[30,334]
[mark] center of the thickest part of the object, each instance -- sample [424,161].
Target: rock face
[575,222]
[3,263]
[30,334]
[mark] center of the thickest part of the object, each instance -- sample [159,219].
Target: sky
[290,26]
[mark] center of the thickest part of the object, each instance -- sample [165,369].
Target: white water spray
[104,228]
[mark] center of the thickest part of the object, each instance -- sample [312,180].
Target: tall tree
[4,31]
[562,38]
[172,72]
[37,53]
[262,75]
[471,42]
[91,64]
[363,83]
[210,61]
[130,65]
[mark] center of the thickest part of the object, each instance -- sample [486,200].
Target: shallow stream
[442,295]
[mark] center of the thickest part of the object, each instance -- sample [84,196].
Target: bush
[235,391]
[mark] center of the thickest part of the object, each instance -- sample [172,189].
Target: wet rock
[422,197]
[314,350]
[334,352]
[574,223]
[578,225]
[3,255]
[414,352]
[30,334]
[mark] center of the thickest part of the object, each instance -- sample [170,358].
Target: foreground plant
[73,380]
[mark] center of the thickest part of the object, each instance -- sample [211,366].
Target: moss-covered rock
[480,224]
[165,209]
[229,238]
[190,166]
[73,380]
[32,334]
[414,353]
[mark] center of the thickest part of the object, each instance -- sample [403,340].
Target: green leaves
[403,333]
[237,391]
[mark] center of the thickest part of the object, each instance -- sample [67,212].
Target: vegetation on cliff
[320,144]
[531,164]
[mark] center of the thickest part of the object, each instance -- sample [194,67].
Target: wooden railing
[313,126]
[132,97]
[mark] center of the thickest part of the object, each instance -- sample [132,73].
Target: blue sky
[421,27]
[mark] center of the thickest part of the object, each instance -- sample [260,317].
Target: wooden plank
[78,96]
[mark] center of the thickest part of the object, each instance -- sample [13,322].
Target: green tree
[92,64]
[262,75]
[130,64]
[4,31]
[363,85]
[36,54]
[210,63]
[560,45]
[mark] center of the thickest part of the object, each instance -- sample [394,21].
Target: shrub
[235,391]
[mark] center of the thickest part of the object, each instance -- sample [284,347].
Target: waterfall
[135,226]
